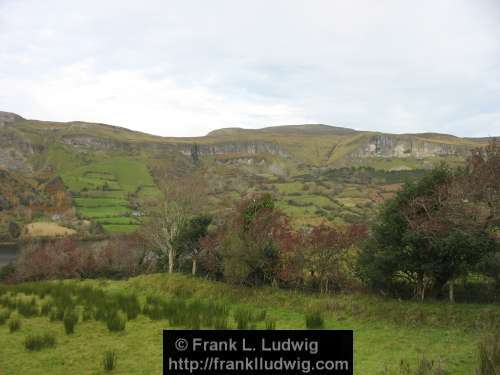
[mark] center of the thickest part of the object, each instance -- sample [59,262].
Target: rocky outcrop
[16,151]
[8,118]
[404,146]
[97,143]
[235,147]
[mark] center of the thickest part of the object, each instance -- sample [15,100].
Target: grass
[14,324]
[103,186]
[102,212]
[118,228]
[109,360]
[99,202]
[34,342]
[314,320]
[386,331]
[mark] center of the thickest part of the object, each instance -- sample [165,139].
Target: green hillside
[110,170]
[387,331]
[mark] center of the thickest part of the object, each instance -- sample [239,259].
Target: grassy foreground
[385,331]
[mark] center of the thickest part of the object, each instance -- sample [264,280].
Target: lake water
[8,253]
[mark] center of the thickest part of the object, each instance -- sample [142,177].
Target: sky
[186,67]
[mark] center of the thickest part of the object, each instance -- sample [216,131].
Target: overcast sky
[186,67]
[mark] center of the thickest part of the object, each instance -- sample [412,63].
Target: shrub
[70,320]
[14,324]
[38,342]
[314,320]
[116,321]
[489,354]
[109,360]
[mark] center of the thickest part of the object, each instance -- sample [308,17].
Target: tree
[188,240]
[428,235]
[161,228]
[325,253]
[166,217]
[249,247]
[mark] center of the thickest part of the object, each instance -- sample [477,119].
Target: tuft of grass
[88,313]
[56,314]
[130,305]
[46,307]
[34,342]
[116,321]
[243,318]
[27,308]
[221,323]
[314,320]
[4,315]
[109,360]
[70,319]
[14,324]
[270,324]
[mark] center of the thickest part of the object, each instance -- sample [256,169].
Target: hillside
[108,170]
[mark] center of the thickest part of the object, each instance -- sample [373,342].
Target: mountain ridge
[316,171]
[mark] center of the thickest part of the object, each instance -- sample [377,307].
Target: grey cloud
[431,66]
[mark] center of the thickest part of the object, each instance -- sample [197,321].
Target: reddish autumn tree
[326,251]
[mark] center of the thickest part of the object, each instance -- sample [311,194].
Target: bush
[109,360]
[116,321]
[14,324]
[70,320]
[38,342]
[314,320]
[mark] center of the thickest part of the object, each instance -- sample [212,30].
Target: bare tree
[162,227]
[166,217]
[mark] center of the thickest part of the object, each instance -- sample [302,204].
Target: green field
[386,331]
[102,188]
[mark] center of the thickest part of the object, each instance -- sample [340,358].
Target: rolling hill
[317,172]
